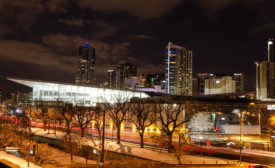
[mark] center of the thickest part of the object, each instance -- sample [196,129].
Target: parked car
[231,144]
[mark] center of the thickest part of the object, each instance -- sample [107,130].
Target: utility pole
[241,124]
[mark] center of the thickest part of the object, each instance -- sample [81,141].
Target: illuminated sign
[271,107]
[19,110]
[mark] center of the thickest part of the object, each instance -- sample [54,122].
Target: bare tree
[82,116]
[169,118]
[141,116]
[53,113]
[66,111]
[44,109]
[116,108]
[98,119]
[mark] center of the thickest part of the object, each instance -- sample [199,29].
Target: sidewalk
[135,150]
[16,160]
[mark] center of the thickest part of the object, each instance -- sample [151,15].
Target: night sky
[39,38]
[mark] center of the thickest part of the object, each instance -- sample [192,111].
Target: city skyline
[129,33]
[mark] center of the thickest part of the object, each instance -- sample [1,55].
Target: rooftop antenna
[87,41]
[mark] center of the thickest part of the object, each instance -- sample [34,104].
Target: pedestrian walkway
[21,163]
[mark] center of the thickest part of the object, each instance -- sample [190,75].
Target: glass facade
[178,70]
[77,95]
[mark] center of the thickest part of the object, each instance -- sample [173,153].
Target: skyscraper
[265,74]
[239,78]
[265,80]
[178,70]
[126,70]
[112,78]
[85,69]
[271,50]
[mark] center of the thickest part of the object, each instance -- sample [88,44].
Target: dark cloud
[37,54]
[140,36]
[262,28]
[215,5]
[57,5]
[104,29]
[46,34]
[73,22]
[139,8]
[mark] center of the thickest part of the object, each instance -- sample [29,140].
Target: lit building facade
[126,70]
[155,79]
[75,94]
[239,78]
[85,66]
[265,80]
[133,82]
[219,85]
[265,75]
[201,81]
[112,78]
[178,70]
[21,98]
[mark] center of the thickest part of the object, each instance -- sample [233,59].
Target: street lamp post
[200,137]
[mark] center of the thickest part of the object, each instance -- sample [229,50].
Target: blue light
[86,45]
[172,51]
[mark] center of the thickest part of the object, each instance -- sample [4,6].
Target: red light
[217,129]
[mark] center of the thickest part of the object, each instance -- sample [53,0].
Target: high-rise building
[265,80]
[112,78]
[271,50]
[201,81]
[265,74]
[178,70]
[219,85]
[126,70]
[85,69]
[239,78]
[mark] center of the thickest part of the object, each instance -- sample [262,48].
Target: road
[259,157]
